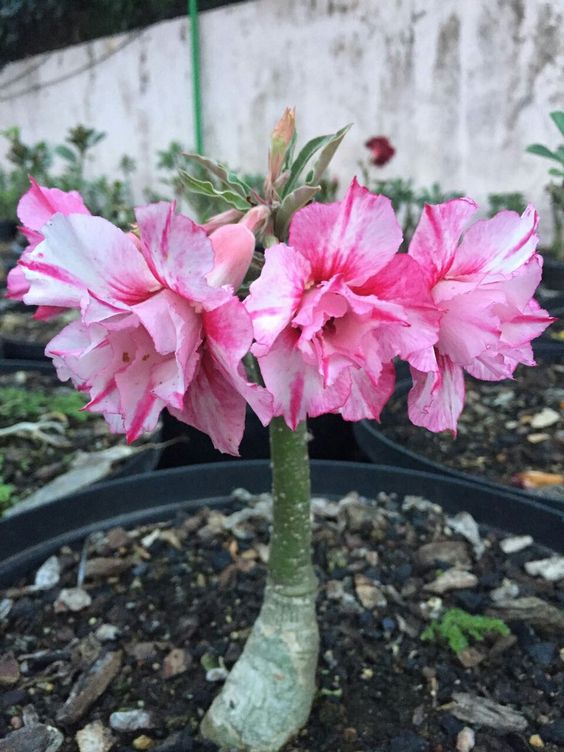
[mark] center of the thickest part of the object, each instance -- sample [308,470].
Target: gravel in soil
[506,430]
[128,640]
[52,432]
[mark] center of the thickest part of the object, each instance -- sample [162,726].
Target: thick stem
[268,694]
[290,564]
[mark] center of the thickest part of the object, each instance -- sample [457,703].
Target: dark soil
[497,437]
[180,598]
[28,462]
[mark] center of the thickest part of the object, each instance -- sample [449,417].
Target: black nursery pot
[17,349]
[332,438]
[30,537]
[553,272]
[380,449]
[8,230]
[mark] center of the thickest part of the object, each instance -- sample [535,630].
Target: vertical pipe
[196,80]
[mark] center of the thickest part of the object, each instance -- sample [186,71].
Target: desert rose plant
[191,318]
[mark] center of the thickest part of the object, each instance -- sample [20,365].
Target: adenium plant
[191,318]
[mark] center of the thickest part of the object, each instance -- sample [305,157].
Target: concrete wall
[460,86]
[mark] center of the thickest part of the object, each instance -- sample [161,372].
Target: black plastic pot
[8,230]
[553,272]
[380,449]
[331,439]
[16,349]
[29,538]
[142,462]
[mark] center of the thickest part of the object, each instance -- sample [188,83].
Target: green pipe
[196,79]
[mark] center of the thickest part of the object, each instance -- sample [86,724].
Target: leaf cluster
[457,627]
[21,404]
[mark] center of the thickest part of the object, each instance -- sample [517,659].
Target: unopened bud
[257,219]
[228,217]
[282,136]
[233,247]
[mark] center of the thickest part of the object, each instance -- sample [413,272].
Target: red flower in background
[381,149]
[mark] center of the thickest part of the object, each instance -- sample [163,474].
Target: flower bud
[282,136]
[233,247]
[219,220]
[257,219]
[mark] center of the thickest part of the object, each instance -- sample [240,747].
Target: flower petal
[368,395]
[178,252]
[83,253]
[355,237]
[497,246]
[276,295]
[436,237]
[436,399]
[38,204]
[233,248]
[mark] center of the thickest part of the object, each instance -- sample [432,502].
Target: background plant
[555,188]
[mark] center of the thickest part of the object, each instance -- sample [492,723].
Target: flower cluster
[161,324]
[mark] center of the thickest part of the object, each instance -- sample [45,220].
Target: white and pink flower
[483,286]
[160,325]
[332,309]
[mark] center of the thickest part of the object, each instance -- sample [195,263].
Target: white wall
[460,86]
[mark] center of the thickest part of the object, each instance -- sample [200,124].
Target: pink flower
[333,307]
[35,209]
[483,286]
[381,150]
[154,332]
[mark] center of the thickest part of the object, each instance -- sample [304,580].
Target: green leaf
[542,151]
[290,205]
[66,153]
[558,118]
[226,176]
[205,188]
[289,156]
[306,153]
[326,155]
[556,173]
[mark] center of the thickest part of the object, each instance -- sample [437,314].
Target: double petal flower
[333,308]
[483,286]
[159,324]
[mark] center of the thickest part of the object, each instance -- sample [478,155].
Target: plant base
[268,695]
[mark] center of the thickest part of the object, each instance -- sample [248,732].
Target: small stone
[454,553]
[470,657]
[515,543]
[9,670]
[143,742]
[553,732]
[48,574]
[534,611]
[545,418]
[464,524]
[131,720]
[542,653]
[89,687]
[507,590]
[217,674]
[107,633]
[5,607]
[536,741]
[176,662]
[452,579]
[117,537]
[72,599]
[181,741]
[94,737]
[481,711]
[368,593]
[37,738]
[502,644]
[466,740]
[551,569]
[106,567]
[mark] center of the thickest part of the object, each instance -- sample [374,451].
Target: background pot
[553,272]
[29,538]
[380,449]
[332,438]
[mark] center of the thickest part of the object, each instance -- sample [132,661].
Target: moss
[20,405]
[457,627]
[6,491]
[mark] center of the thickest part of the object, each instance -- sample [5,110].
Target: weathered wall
[461,88]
